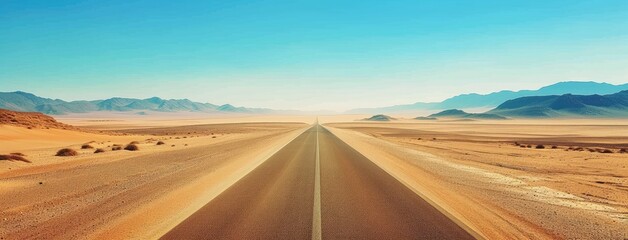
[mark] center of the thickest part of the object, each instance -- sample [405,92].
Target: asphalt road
[318,187]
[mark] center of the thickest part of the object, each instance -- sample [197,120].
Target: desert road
[318,187]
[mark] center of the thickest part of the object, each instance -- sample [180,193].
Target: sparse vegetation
[131,147]
[134,142]
[605,151]
[116,148]
[540,146]
[99,150]
[161,143]
[12,157]
[66,152]
[554,147]
[623,150]
[86,146]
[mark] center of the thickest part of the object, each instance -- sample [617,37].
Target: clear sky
[307,55]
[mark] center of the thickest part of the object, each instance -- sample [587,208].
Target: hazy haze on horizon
[332,55]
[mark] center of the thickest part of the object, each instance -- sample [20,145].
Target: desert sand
[475,172]
[479,174]
[122,194]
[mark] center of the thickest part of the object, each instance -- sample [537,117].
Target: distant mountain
[380,118]
[492,100]
[566,105]
[27,102]
[456,113]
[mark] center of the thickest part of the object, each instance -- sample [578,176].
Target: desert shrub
[66,152]
[604,150]
[134,142]
[578,149]
[116,148]
[529,146]
[623,150]
[540,146]
[12,157]
[131,147]
[213,136]
[554,147]
[522,146]
[86,146]
[591,150]
[99,150]
[161,143]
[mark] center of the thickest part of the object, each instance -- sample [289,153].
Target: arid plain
[493,179]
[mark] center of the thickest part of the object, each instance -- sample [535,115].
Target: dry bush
[66,152]
[623,150]
[12,157]
[529,146]
[131,147]
[116,148]
[540,146]
[522,146]
[591,150]
[554,147]
[86,146]
[161,143]
[134,142]
[578,149]
[604,150]
[99,150]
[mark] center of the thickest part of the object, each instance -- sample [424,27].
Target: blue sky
[306,55]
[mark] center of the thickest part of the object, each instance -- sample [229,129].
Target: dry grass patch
[66,152]
[12,157]
[99,150]
[131,147]
[87,146]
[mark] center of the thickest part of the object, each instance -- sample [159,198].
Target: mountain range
[492,100]
[27,102]
[566,105]
[553,106]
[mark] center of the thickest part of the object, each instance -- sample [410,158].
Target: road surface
[318,187]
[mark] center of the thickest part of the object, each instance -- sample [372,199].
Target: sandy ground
[122,194]
[473,171]
[117,120]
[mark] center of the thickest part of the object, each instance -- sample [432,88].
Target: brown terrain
[271,177]
[30,120]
